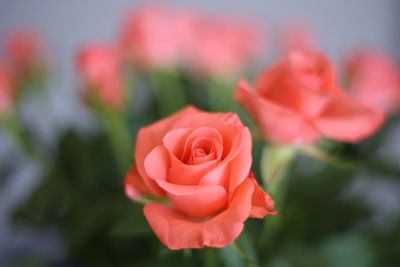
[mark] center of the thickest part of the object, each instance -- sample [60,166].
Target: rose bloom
[298,101]
[7,90]
[374,80]
[198,164]
[297,36]
[224,47]
[100,66]
[158,37]
[27,50]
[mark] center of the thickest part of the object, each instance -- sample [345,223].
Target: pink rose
[297,36]
[374,80]
[225,47]
[298,101]
[27,50]
[198,164]
[100,66]
[7,90]
[158,37]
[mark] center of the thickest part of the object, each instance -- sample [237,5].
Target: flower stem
[170,93]
[119,135]
[17,131]
[275,163]
[220,95]
[272,223]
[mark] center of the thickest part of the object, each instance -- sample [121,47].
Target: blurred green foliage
[81,194]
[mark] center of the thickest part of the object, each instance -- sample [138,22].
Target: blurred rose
[297,36]
[199,163]
[158,37]
[374,80]
[298,101]
[224,47]
[7,90]
[100,66]
[27,50]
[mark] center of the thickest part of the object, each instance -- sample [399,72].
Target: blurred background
[357,202]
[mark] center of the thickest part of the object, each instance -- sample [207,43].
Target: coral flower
[7,90]
[158,37]
[297,36]
[199,164]
[298,101]
[224,47]
[161,38]
[27,50]
[100,66]
[374,80]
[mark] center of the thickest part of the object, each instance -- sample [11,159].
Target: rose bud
[198,165]
[7,91]
[298,101]
[100,66]
[225,46]
[297,36]
[27,51]
[157,37]
[374,80]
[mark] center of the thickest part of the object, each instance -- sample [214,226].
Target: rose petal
[202,138]
[373,79]
[232,144]
[231,118]
[276,85]
[134,185]
[196,201]
[203,152]
[280,88]
[183,174]
[180,172]
[276,123]
[312,102]
[157,163]
[241,165]
[151,136]
[262,203]
[174,141]
[312,70]
[177,231]
[347,120]
[179,142]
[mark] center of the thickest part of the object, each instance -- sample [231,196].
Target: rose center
[202,150]
[199,152]
[310,70]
